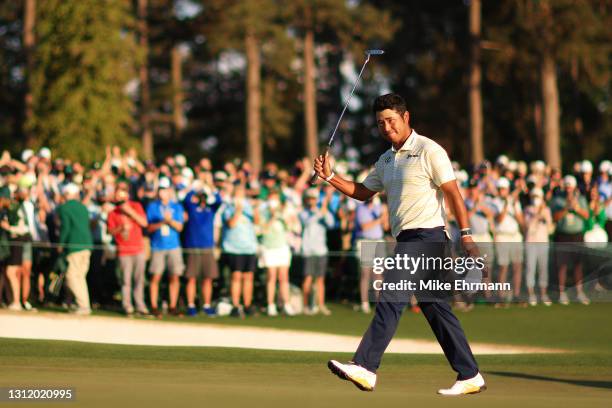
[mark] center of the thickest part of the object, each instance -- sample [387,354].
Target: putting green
[575,327]
[140,376]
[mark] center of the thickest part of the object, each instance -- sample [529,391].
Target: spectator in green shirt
[75,239]
[570,211]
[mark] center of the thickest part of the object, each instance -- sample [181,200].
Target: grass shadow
[584,383]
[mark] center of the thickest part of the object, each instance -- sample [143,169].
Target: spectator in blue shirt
[371,221]
[165,219]
[315,223]
[239,246]
[201,204]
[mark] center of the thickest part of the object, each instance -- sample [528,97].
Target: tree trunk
[253,106]
[550,102]
[310,97]
[143,73]
[29,20]
[475,92]
[177,92]
[537,120]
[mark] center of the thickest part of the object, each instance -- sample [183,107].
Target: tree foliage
[84,59]
[85,56]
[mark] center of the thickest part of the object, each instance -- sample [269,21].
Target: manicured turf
[139,376]
[575,327]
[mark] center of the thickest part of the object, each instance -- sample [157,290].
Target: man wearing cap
[586,180]
[417,176]
[481,217]
[507,235]
[125,223]
[569,213]
[165,218]
[315,223]
[201,205]
[76,240]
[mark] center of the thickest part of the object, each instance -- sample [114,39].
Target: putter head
[374,52]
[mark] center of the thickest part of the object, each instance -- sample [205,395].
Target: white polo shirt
[411,177]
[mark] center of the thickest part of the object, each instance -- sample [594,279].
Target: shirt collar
[408,144]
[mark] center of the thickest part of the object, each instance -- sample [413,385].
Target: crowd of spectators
[174,238]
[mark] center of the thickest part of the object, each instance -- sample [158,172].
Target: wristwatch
[466,232]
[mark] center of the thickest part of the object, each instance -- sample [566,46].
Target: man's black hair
[390,101]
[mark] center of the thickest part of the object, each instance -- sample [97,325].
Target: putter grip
[315,176]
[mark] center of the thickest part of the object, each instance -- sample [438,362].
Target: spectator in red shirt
[125,224]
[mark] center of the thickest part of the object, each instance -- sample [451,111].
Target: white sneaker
[311,311]
[471,386]
[288,310]
[563,299]
[272,311]
[582,298]
[362,378]
[82,312]
[533,300]
[27,306]
[325,311]
[546,300]
[15,307]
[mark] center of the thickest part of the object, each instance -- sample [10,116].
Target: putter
[368,54]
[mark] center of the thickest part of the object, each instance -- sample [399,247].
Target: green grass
[574,327]
[141,376]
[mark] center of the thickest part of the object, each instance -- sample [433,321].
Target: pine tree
[84,58]
[352,26]
[246,26]
[561,50]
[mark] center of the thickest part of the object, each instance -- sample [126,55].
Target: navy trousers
[439,315]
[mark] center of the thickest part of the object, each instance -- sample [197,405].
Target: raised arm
[354,190]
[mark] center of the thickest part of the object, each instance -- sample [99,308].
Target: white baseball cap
[586,166]
[538,166]
[569,181]
[26,154]
[70,189]
[220,175]
[502,160]
[187,173]
[164,182]
[502,182]
[605,166]
[180,160]
[45,153]
[312,193]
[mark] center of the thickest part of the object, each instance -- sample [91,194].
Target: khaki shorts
[509,249]
[201,263]
[170,258]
